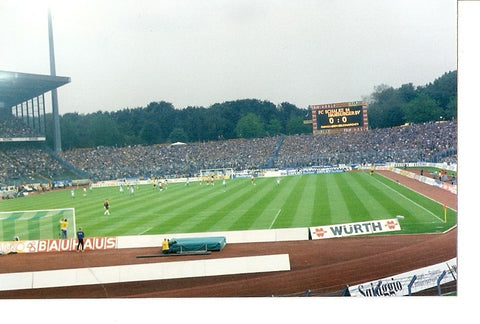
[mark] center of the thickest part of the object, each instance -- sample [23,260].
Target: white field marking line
[415,203]
[146,230]
[401,184]
[278,213]
[421,194]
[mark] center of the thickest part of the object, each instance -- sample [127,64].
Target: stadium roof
[16,87]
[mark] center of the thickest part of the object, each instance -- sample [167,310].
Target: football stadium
[345,210]
[320,221]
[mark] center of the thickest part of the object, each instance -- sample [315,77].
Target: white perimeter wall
[272,235]
[164,270]
[143,272]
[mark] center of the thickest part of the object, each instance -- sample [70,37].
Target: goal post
[36,224]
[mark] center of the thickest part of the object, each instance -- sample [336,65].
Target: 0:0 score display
[339,117]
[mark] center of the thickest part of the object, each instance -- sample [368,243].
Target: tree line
[161,122]
[435,101]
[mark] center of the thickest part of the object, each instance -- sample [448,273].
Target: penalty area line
[276,216]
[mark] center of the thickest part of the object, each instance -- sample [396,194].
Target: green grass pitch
[298,201]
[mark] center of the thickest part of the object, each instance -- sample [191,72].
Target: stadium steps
[70,167]
[271,161]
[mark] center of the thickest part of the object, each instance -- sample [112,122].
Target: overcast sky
[126,54]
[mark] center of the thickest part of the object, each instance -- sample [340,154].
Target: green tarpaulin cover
[197,244]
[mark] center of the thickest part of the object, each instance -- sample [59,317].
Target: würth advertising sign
[351,229]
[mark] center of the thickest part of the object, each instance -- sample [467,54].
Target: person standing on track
[165,246]
[80,237]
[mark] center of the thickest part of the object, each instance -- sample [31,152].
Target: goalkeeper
[63,227]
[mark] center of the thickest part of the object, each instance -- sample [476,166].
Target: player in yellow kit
[63,227]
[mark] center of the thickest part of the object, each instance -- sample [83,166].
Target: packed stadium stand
[30,164]
[12,127]
[23,161]
[167,160]
[429,142]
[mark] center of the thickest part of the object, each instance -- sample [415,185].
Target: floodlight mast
[57,143]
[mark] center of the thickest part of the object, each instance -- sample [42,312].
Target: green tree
[422,109]
[407,92]
[162,114]
[386,108]
[149,133]
[274,127]
[177,135]
[103,129]
[450,111]
[160,122]
[130,122]
[295,125]
[70,130]
[250,126]
[442,89]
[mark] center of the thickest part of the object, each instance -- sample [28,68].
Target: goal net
[36,224]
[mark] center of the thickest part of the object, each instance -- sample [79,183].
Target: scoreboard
[339,117]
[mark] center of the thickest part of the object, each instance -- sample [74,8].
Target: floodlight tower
[57,143]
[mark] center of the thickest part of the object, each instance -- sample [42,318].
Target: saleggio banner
[351,229]
[57,245]
[397,285]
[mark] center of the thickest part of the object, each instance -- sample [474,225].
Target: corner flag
[445,212]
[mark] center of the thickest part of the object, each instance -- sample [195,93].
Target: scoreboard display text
[339,117]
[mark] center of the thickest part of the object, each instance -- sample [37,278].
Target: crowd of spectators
[170,160]
[27,163]
[12,127]
[413,143]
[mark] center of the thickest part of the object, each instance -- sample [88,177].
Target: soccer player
[80,237]
[106,205]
